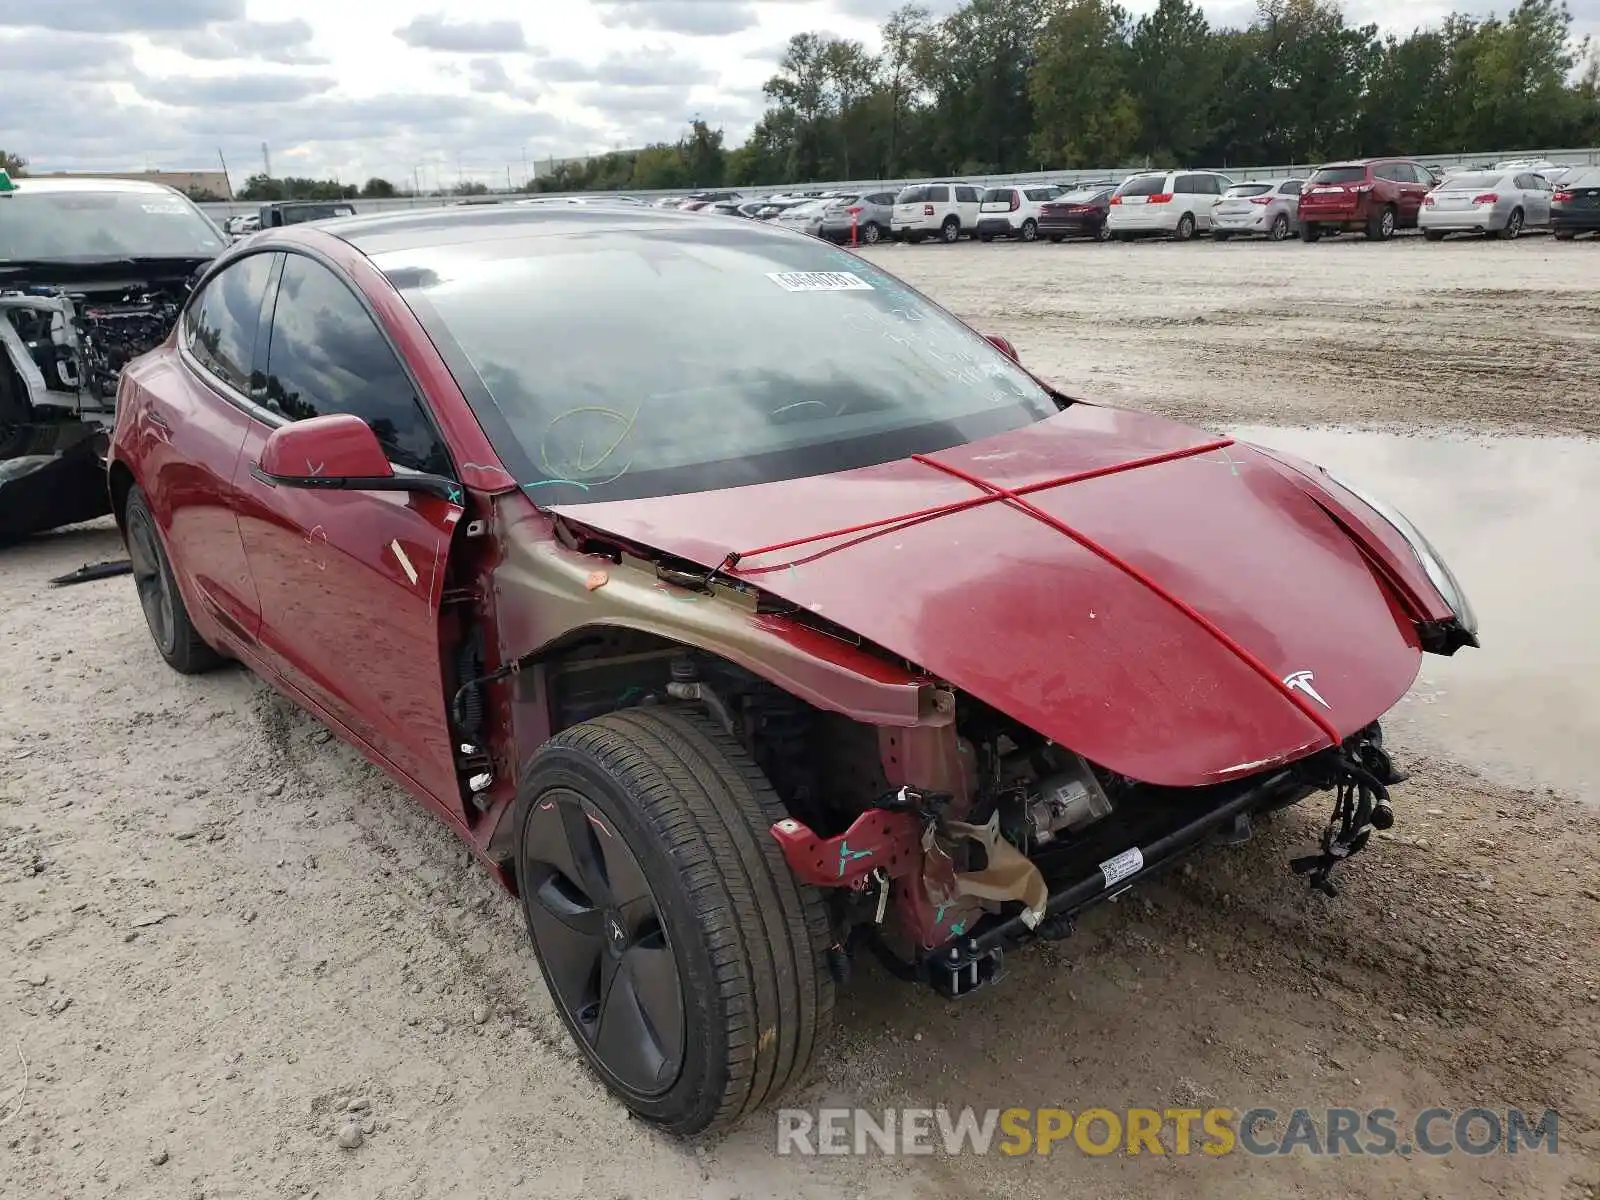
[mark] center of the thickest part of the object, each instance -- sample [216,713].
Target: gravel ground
[229,947]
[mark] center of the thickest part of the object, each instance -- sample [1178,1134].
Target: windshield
[1339,175]
[75,225]
[642,362]
[1483,179]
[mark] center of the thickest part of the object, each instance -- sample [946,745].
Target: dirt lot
[219,926]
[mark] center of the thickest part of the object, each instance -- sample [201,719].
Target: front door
[350,583]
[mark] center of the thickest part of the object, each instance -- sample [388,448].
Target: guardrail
[1589,156]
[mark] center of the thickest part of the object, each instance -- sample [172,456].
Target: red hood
[1017,614]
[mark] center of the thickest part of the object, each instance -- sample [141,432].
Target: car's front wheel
[686,961]
[164,612]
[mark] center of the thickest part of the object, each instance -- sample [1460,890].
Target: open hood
[1153,661]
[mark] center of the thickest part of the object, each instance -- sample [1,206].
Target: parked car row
[1375,197]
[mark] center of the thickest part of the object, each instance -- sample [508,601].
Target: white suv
[1165,203]
[1013,211]
[941,210]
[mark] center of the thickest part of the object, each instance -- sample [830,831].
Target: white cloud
[433,89]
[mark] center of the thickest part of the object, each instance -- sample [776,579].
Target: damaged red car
[744,610]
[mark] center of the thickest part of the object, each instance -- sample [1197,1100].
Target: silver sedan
[1502,203]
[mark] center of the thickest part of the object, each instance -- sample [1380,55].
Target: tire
[914,238]
[982,237]
[1030,230]
[1565,235]
[1310,233]
[175,636]
[871,233]
[1055,239]
[15,407]
[1280,227]
[1512,228]
[743,941]
[1124,237]
[1185,229]
[950,231]
[1220,237]
[1102,232]
[1433,235]
[1381,224]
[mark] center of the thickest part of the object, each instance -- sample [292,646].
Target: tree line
[1023,85]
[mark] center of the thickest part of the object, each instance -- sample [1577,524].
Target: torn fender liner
[51,475]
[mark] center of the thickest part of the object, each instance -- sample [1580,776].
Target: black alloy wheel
[606,952]
[174,634]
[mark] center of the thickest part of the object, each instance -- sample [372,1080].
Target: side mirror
[1004,346]
[339,452]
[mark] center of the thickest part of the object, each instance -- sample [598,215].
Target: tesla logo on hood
[1300,681]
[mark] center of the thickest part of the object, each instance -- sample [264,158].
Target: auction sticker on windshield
[819,281]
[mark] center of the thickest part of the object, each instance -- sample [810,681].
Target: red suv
[1376,195]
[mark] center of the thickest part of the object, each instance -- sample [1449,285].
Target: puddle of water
[1518,520]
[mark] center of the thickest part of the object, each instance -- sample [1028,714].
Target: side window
[220,324]
[326,356]
[1187,184]
[968,195]
[1291,188]
[1424,176]
[939,195]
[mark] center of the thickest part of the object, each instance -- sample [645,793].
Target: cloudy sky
[337,87]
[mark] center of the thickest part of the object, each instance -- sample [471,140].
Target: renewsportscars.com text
[1165,1131]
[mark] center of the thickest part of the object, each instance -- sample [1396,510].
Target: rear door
[194,430]
[351,582]
[968,201]
[1415,183]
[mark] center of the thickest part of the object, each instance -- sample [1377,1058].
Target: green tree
[13,164]
[378,189]
[1175,76]
[1087,115]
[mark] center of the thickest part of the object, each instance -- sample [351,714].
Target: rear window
[1082,196]
[1241,190]
[1143,185]
[997,196]
[1583,179]
[1040,193]
[1339,175]
[1480,179]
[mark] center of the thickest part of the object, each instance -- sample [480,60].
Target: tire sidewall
[1030,230]
[705,1067]
[1185,229]
[137,509]
[1280,227]
[950,231]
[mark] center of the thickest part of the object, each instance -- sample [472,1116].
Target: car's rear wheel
[1565,235]
[1433,235]
[1310,232]
[1055,239]
[1124,237]
[1513,226]
[1280,227]
[1381,224]
[950,231]
[174,634]
[871,233]
[1030,229]
[1102,232]
[1185,229]
[684,958]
